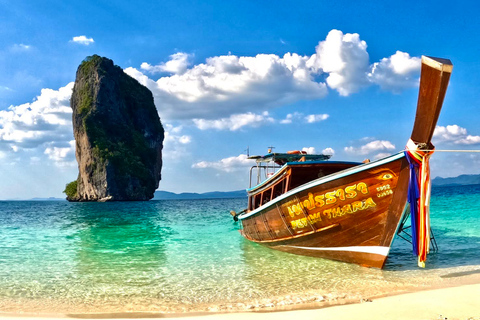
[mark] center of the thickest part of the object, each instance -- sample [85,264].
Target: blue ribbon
[413,195]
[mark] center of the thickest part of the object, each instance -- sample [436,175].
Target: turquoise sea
[187,255]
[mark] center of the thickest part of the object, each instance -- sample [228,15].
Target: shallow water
[187,255]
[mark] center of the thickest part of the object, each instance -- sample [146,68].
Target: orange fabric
[422,159]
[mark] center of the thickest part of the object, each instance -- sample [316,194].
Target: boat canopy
[291,156]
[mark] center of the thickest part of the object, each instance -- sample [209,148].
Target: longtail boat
[347,211]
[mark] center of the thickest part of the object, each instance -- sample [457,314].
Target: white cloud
[309,150]
[44,123]
[373,146]
[173,135]
[177,64]
[328,151]
[227,85]
[298,116]
[175,143]
[185,139]
[62,156]
[312,118]
[454,134]
[228,164]
[344,57]
[235,121]
[20,47]
[397,72]
[238,121]
[291,117]
[83,40]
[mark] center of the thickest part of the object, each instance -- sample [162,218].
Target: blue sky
[331,77]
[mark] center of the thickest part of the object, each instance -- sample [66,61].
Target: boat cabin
[278,173]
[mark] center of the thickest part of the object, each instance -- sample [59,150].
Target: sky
[323,76]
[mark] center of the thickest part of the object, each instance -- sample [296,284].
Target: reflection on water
[119,250]
[171,256]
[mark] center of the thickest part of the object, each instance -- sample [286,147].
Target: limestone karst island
[118,135]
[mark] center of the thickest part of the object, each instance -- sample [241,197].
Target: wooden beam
[434,78]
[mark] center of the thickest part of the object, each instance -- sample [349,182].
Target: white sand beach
[462,302]
[451,303]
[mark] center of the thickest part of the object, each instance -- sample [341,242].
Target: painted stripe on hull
[365,249]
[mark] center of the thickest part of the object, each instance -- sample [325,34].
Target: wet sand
[461,302]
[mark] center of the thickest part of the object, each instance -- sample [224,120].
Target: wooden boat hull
[350,216]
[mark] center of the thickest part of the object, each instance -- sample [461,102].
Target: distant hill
[165,195]
[464,179]
[36,199]
[49,199]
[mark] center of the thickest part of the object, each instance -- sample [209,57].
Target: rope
[419,199]
[451,150]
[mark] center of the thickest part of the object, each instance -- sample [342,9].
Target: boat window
[257,201]
[278,189]
[267,195]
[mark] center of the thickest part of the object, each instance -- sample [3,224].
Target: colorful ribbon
[419,199]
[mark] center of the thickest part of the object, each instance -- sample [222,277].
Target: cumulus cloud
[312,118]
[227,85]
[454,134]
[298,116]
[175,142]
[344,57]
[309,150]
[373,146]
[397,72]
[328,151]
[291,117]
[235,121]
[177,64]
[250,119]
[83,40]
[228,164]
[230,84]
[38,124]
[185,139]
[62,156]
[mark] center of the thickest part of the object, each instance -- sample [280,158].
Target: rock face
[118,134]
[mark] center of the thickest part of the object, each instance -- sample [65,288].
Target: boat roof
[283,158]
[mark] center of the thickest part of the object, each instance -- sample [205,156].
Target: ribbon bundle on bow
[419,199]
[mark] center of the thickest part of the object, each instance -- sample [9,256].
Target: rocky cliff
[118,134]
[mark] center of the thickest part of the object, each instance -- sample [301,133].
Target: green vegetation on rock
[91,64]
[71,190]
